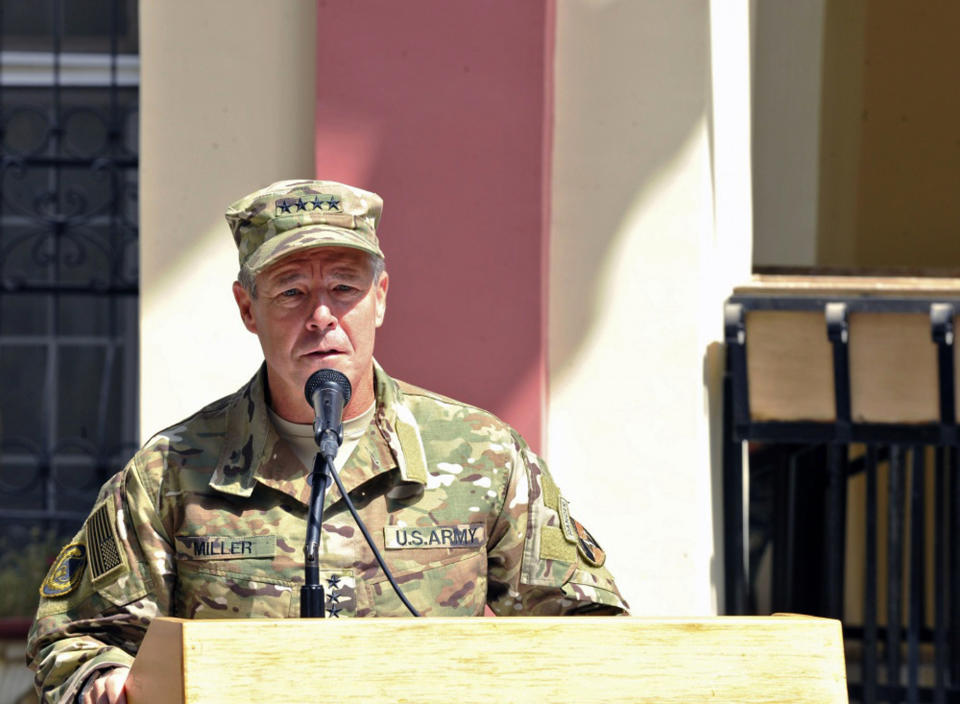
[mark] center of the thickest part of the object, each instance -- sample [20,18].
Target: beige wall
[651,228]
[227,104]
[786,87]
[841,114]
[908,212]
[889,168]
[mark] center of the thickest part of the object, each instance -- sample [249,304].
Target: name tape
[213,547]
[459,536]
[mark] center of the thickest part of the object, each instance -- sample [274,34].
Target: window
[69,76]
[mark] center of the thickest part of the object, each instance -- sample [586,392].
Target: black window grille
[69,90]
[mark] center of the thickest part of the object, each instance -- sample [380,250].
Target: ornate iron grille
[68,258]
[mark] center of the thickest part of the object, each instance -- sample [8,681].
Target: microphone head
[323,377]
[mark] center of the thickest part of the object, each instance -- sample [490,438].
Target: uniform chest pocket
[231,589]
[455,587]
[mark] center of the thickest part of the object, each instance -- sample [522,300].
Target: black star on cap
[300,204]
[316,202]
[333,203]
[284,206]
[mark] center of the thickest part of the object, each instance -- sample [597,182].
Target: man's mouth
[322,354]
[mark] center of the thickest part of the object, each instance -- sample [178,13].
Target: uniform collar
[254,452]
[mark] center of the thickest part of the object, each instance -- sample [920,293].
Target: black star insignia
[333,582]
[334,597]
[284,206]
[334,611]
[300,204]
[316,202]
[333,203]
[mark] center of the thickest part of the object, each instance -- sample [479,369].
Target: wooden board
[894,286]
[789,366]
[893,367]
[724,659]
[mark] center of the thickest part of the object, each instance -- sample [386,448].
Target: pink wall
[444,108]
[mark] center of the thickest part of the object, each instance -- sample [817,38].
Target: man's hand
[107,688]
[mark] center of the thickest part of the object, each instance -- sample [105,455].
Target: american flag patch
[104,554]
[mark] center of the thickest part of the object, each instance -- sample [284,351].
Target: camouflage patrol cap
[288,216]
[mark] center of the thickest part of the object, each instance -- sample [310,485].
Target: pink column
[445,108]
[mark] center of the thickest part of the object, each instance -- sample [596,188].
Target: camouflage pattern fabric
[288,216]
[208,521]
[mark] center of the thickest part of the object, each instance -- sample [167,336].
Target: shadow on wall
[633,86]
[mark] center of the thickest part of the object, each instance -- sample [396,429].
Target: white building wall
[651,228]
[227,106]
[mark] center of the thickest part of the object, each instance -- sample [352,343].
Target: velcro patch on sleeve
[104,552]
[411,537]
[553,546]
[231,547]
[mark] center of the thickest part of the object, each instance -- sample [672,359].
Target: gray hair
[248,280]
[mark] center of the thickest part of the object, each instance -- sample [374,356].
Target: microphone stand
[312,602]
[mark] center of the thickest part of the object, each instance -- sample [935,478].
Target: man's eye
[344,288]
[290,293]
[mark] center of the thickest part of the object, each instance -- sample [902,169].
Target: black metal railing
[807,479]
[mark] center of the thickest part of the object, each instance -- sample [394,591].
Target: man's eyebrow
[348,272]
[285,278]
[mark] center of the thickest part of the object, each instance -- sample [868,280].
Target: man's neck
[293,407]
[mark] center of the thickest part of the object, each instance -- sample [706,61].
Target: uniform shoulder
[206,424]
[188,451]
[431,407]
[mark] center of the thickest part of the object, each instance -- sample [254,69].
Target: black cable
[376,553]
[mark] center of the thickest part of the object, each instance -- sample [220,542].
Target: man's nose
[321,315]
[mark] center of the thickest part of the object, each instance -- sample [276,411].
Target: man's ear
[245,304]
[381,292]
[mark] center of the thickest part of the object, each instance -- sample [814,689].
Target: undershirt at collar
[300,437]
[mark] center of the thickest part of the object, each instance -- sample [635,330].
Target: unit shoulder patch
[588,547]
[66,572]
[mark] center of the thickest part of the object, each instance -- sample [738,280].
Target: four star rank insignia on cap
[324,203]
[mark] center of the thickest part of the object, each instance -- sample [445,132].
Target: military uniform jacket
[208,520]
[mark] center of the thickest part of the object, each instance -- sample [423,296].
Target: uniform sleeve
[103,590]
[543,562]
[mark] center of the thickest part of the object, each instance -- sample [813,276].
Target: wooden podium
[738,659]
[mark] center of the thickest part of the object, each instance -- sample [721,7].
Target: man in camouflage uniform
[208,519]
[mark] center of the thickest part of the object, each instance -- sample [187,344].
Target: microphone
[328,391]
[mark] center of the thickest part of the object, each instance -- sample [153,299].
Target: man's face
[317,309]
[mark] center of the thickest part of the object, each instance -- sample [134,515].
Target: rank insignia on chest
[66,572]
[340,594]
